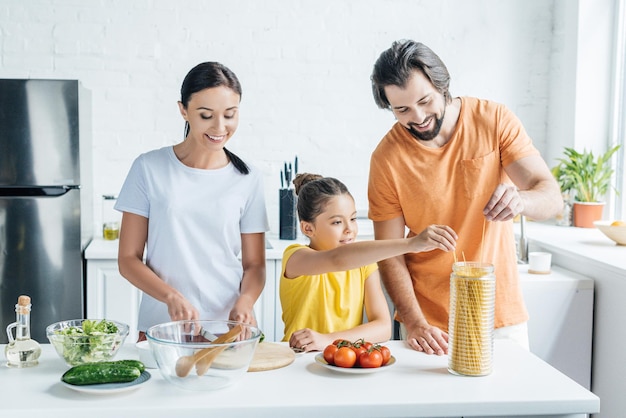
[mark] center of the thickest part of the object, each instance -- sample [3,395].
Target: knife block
[287,214]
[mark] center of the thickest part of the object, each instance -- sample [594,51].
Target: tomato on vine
[386,352]
[342,343]
[358,350]
[371,358]
[360,353]
[345,357]
[329,353]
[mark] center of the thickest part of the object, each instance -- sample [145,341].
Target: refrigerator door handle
[35,191]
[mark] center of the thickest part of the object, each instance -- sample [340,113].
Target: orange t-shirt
[450,186]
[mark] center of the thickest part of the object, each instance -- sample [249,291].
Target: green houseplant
[588,178]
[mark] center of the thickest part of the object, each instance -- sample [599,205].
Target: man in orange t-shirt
[463,162]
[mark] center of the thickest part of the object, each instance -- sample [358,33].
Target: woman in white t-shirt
[198,212]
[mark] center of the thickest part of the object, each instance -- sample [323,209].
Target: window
[618,125]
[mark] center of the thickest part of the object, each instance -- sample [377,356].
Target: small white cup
[539,262]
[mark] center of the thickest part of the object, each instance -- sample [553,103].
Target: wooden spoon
[205,362]
[186,363]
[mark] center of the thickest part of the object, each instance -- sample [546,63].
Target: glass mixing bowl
[174,345]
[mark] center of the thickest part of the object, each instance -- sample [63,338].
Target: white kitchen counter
[589,246]
[418,385]
[100,249]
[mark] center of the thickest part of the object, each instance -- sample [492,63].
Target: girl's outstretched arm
[308,261]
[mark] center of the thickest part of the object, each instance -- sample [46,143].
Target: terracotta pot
[586,213]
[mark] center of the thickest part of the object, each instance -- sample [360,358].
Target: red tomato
[361,341]
[386,352]
[340,342]
[329,353]
[371,359]
[345,357]
[367,345]
[358,350]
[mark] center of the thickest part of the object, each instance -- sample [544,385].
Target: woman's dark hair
[314,192]
[205,76]
[395,66]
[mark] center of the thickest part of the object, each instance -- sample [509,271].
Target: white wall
[304,66]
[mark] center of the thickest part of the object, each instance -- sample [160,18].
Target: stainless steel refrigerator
[45,209]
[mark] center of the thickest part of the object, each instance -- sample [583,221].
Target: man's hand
[505,203]
[428,339]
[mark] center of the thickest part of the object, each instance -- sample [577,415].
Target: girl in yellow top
[325,286]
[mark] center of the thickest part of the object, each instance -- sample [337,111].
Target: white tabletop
[417,385]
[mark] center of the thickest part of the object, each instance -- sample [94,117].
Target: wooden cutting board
[269,356]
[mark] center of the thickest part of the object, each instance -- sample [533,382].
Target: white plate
[354,370]
[111,388]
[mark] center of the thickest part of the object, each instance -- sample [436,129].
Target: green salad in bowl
[80,341]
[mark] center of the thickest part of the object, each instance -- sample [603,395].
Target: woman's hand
[180,309]
[243,311]
[308,340]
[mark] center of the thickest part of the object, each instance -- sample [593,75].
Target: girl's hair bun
[304,178]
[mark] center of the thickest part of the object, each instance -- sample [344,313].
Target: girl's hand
[435,237]
[308,340]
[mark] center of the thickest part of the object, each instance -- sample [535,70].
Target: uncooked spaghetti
[472,297]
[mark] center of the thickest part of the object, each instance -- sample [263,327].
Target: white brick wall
[304,67]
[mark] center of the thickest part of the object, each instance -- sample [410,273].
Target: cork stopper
[23,304]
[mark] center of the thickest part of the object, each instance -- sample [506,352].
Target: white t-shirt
[196,218]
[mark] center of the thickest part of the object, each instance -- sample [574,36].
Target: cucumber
[98,373]
[131,363]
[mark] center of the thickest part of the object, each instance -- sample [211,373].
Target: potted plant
[588,178]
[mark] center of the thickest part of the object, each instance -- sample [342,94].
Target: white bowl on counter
[614,230]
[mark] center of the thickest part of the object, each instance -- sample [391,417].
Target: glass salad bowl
[79,341]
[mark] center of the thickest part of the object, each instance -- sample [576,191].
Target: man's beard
[427,135]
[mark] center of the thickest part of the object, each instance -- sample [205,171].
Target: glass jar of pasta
[470,328]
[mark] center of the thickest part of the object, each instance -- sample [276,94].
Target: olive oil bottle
[22,351]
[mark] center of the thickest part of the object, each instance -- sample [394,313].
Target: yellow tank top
[326,302]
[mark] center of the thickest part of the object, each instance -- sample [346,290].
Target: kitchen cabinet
[109,295]
[560,327]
